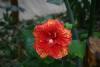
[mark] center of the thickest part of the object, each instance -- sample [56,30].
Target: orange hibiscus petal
[58,52]
[52,39]
[42,52]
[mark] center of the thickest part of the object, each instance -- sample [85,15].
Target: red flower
[52,39]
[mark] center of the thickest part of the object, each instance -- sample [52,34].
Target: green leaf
[48,60]
[30,63]
[40,20]
[29,42]
[97,34]
[68,25]
[83,36]
[77,49]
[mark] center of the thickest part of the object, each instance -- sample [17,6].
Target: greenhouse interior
[49,33]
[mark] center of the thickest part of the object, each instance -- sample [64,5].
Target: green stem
[92,18]
[69,11]
[71,15]
[62,63]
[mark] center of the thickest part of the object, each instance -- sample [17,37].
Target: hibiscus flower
[52,39]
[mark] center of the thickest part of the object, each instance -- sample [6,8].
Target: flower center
[51,41]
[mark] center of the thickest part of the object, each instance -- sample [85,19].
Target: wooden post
[15,20]
[15,14]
